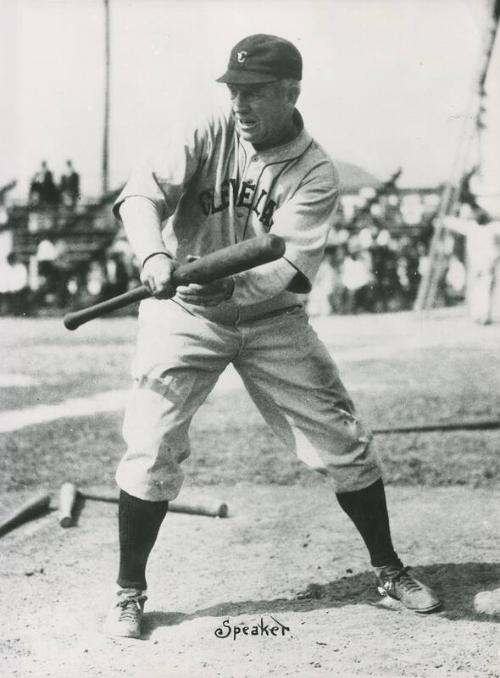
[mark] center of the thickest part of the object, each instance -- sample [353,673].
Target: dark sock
[139,522]
[367,509]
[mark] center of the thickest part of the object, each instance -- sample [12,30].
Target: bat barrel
[67,499]
[230,260]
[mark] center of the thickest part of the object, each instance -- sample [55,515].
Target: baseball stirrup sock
[367,509]
[139,522]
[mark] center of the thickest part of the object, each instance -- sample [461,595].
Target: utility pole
[107,65]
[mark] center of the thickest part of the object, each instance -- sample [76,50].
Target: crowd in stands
[367,272]
[376,258]
[57,284]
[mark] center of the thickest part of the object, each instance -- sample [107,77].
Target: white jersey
[213,189]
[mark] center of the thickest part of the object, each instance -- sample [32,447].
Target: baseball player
[236,176]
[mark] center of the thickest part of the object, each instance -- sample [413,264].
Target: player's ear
[292,90]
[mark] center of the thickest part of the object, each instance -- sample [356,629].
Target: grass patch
[230,441]
[230,449]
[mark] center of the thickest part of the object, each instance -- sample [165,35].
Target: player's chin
[250,133]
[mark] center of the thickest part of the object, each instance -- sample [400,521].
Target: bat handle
[74,320]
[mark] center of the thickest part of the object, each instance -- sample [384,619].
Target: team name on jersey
[213,201]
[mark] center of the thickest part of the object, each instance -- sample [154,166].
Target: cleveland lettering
[213,201]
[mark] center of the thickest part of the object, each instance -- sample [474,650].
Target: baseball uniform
[212,189]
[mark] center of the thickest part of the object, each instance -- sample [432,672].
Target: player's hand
[156,275]
[211,294]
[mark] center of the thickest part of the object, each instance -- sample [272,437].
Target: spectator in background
[17,285]
[319,298]
[391,289]
[336,257]
[391,250]
[46,255]
[483,259]
[70,186]
[356,278]
[423,260]
[117,278]
[43,191]
[407,269]
[35,197]
[4,286]
[381,256]
[412,257]
[455,280]
[96,280]
[4,202]
[54,270]
[123,270]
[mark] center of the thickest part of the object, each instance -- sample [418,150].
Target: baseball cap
[262,58]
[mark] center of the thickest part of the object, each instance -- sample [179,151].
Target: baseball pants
[285,368]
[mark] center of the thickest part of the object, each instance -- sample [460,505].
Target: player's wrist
[154,254]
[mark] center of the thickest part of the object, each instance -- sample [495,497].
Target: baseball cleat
[399,584]
[125,616]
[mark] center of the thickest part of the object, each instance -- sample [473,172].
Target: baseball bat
[479,425]
[224,262]
[67,499]
[32,508]
[213,509]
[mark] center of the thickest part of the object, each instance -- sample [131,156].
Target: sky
[387,83]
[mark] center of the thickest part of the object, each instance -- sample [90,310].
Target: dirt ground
[286,557]
[282,554]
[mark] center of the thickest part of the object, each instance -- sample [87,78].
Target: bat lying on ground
[32,508]
[478,425]
[214,509]
[227,261]
[68,495]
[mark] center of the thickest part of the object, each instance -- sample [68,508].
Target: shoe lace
[130,608]
[405,579]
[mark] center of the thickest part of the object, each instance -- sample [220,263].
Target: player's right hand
[156,275]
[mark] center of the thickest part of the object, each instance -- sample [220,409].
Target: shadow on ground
[456,585]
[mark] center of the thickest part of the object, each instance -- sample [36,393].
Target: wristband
[153,254]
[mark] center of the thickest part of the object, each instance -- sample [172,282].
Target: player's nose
[240,102]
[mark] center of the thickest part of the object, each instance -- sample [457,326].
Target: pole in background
[107,64]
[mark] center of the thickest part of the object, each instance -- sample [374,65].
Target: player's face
[263,112]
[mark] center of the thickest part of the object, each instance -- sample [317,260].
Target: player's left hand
[211,294]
